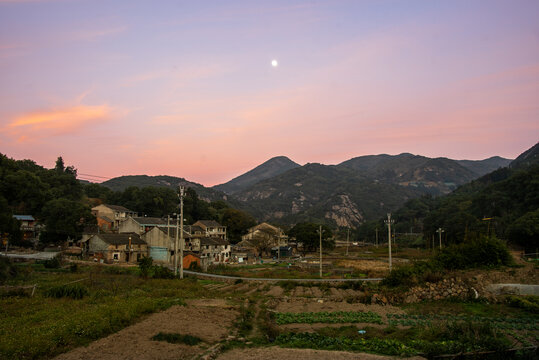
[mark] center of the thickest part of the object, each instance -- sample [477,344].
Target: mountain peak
[270,168]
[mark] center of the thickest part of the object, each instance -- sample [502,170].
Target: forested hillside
[504,202]
[54,196]
[63,204]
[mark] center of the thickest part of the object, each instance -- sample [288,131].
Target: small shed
[190,258]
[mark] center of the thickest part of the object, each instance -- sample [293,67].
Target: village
[121,237]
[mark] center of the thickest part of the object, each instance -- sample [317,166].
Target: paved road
[35,256]
[270,279]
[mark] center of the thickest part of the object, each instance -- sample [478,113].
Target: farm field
[119,314]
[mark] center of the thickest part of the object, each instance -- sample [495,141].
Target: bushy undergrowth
[481,252]
[53,263]
[528,303]
[148,270]
[75,291]
[8,270]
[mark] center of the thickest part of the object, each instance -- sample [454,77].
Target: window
[116,256]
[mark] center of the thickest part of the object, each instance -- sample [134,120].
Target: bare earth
[210,320]
[312,305]
[276,353]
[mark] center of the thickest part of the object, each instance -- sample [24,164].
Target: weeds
[75,291]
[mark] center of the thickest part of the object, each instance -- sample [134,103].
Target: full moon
[274,63]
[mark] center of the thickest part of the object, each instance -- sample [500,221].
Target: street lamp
[388,222]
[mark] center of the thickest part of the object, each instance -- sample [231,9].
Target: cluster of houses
[123,237]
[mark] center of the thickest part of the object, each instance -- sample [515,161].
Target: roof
[195,228]
[118,208]
[107,219]
[264,226]
[24,217]
[213,241]
[172,231]
[150,221]
[209,223]
[121,239]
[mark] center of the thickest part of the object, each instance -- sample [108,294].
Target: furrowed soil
[211,320]
[276,353]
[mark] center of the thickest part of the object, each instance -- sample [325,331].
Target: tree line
[63,204]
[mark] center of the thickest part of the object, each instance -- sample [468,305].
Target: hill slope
[122,182]
[273,167]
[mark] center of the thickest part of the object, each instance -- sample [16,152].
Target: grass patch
[43,326]
[174,338]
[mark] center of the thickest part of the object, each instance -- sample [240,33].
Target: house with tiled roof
[161,243]
[117,248]
[212,228]
[140,225]
[216,249]
[115,213]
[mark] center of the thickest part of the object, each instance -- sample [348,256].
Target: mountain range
[359,189]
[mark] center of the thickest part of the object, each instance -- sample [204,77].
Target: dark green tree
[60,167]
[237,223]
[525,231]
[65,218]
[308,235]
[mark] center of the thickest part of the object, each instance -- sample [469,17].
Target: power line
[96,176]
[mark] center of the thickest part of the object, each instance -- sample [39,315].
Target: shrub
[73,267]
[528,303]
[481,252]
[53,263]
[75,291]
[174,338]
[145,266]
[7,269]
[484,251]
[161,272]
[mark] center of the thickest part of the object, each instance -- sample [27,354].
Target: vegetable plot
[498,323]
[336,317]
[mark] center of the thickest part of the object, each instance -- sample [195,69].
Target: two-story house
[211,228]
[140,225]
[111,215]
[29,228]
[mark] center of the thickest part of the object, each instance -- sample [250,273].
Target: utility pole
[320,232]
[278,246]
[389,221]
[347,241]
[176,246]
[182,192]
[440,231]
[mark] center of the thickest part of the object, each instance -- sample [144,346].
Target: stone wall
[447,288]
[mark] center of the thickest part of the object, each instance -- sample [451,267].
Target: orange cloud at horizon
[57,121]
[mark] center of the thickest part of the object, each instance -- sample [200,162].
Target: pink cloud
[61,121]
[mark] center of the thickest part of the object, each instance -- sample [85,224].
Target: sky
[187,88]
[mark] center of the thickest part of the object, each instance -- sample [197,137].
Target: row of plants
[429,340]
[497,322]
[328,317]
